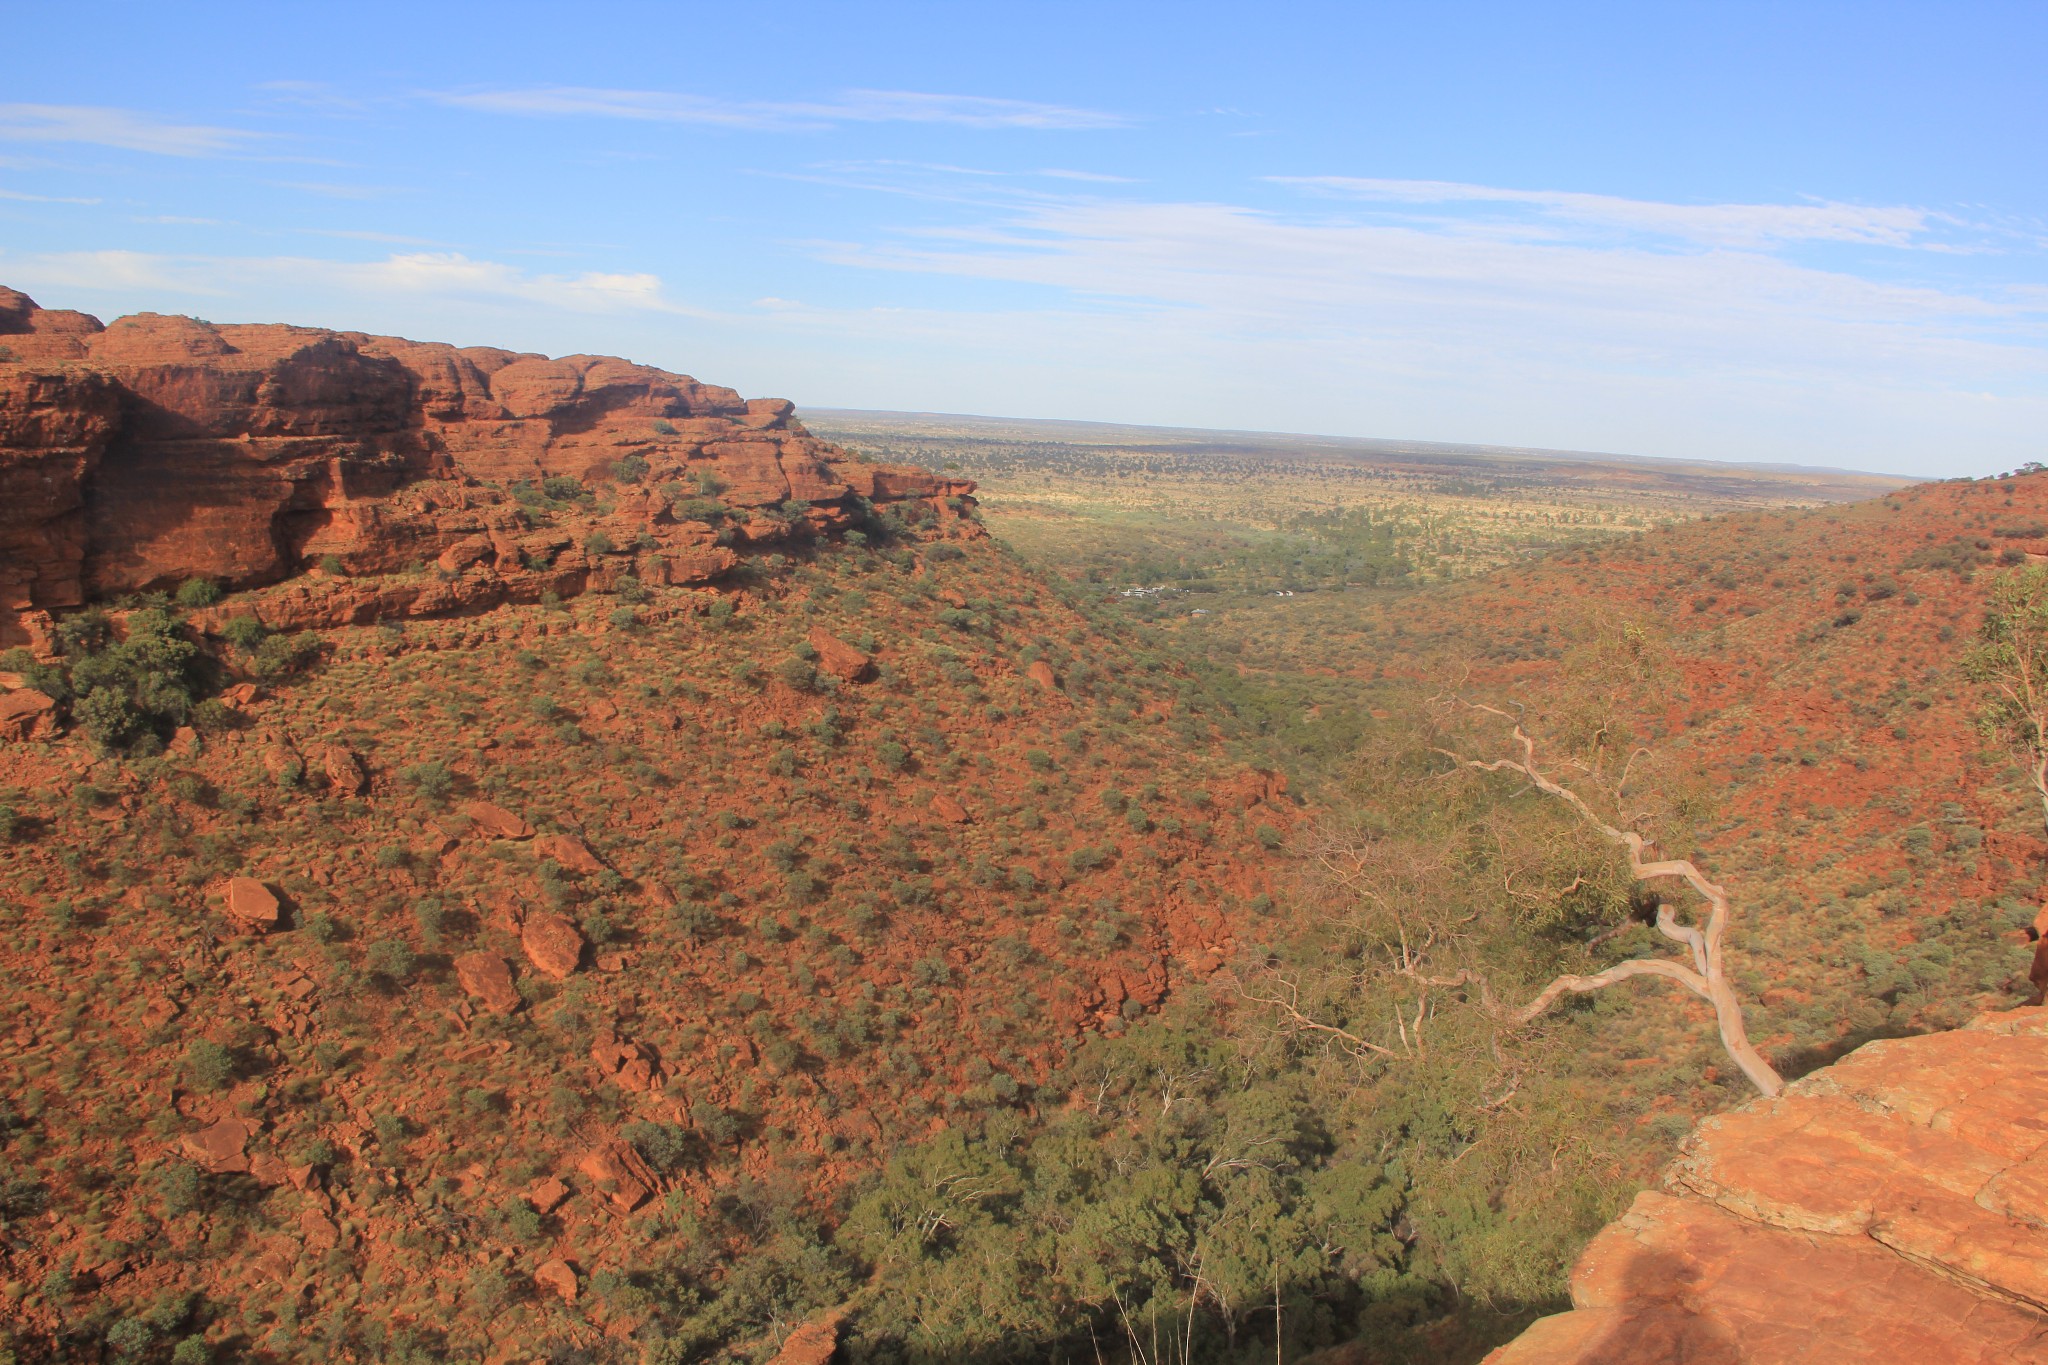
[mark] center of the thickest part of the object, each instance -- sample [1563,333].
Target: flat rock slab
[1887,1208]
[249,903]
[496,821]
[571,852]
[219,1146]
[839,658]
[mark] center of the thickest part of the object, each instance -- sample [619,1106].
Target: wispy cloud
[1749,225]
[129,129]
[45,198]
[1648,327]
[1094,176]
[853,106]
[445,275]
[328,189]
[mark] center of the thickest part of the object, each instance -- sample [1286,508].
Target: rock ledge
[1893,1206]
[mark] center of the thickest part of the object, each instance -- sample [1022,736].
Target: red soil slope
[1806,667]
[525,930]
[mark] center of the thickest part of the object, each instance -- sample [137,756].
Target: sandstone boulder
[249,903]
[556,1277]
[488,977]
[553,945]
[620,1175]
[571,852]
[949,810]
[345,775]
[219,1146]
[547,1194]
[814,1342]
[319,1230]
[27,714]
[632,1066]
[497,822]
[1041,673]
[839,658]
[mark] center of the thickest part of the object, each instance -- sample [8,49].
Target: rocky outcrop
[553,945]
[1893,1206]
[159,449]
[249,903]
[488,978]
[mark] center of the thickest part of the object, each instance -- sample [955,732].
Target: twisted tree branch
[1707,977]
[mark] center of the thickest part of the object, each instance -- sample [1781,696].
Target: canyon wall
[159,449]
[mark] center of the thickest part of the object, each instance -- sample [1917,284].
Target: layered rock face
[1892,1207]
[158,449]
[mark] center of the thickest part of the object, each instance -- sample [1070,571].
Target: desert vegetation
[881,924]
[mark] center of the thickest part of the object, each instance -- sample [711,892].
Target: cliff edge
[1891,1207]
[157,449]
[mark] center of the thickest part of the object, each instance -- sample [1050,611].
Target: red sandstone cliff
[1891,1207]
[158,449]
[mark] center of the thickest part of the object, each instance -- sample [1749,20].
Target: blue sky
[1809,233]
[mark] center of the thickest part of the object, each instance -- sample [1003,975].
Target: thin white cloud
[328,189]
[1095,177]
[1720,224]
[318,96]
[129,129]
[1394,321]
[854,106]
[412,275]
[21,197]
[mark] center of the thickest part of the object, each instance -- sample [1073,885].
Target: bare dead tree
[1705,976]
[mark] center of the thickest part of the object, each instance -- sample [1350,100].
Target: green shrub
[244,632]
[717,1125]
[208,1065]
[195,593]
[279,656]
[126,691]
[668,1147]
[391,959]
[433,780]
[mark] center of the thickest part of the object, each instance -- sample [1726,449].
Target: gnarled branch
[1706,978]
